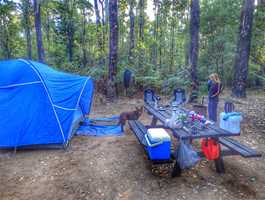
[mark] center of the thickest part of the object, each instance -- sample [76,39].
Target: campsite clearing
[116,167]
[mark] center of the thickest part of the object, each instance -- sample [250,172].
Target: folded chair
[179,96]
[150,96]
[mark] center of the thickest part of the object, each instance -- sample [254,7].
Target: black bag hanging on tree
[127,76]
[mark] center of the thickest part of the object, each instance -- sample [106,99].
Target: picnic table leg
[219,163]
[176,170]
[154,121]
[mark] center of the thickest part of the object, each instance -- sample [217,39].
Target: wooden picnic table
[161,114]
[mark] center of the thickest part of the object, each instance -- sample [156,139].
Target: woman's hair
[214,77]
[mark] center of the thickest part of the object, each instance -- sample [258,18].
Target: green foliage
[97,72]
[219,27]
[10,41]
[159,60]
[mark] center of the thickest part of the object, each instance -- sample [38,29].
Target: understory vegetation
[153,38]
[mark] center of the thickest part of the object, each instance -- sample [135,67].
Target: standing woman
[214,89]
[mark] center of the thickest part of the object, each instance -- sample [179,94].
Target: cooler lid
[157,134]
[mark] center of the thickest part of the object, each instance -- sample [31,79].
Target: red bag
[210,148]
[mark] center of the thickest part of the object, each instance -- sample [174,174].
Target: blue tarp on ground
[94,127]
[38,104]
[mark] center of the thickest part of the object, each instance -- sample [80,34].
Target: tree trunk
[84,50]
[27,26]
[141,20]
[106,27]
[97,13]
[113,48]
[37,13]
[102,11]
[187,49]
[172,34]
[4,38]
[172,49]
[160,44]
[29,46]
[141,35]
[99,34]
[47,28]
[132,37]
[243,49]
[187,42]
[154,46]
[194,43]
[102,32]
[70,29]
[70,39]
[106,11]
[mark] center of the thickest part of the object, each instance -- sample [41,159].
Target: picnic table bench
[238,149]
[232,146]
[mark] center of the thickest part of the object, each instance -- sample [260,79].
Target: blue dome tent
[39,105]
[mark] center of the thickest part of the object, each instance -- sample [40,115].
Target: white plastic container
[231,124]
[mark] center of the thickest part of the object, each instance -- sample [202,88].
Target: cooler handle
[152,145]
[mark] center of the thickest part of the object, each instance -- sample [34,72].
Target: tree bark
[106,11]
[47,27]
[84,50]
[4,38]
[70,29]
[100,34]
[70,40]
[26,7]
[243,50]
[113,48]
[37,14]
[172,35]
[141,20]
[141,35]
[155,32]
[102,11]
[97,13]
[194,42]
[187,42]
[132,36]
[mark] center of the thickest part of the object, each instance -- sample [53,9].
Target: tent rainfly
[39,105]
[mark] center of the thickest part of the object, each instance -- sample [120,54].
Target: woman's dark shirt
[213,90]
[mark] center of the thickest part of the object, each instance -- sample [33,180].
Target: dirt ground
[113,168]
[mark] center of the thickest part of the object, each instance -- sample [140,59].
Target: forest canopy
[153,38]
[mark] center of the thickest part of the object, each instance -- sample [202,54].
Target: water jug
[231,122]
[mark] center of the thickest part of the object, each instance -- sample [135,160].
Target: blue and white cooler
[158,144]
[231,122]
